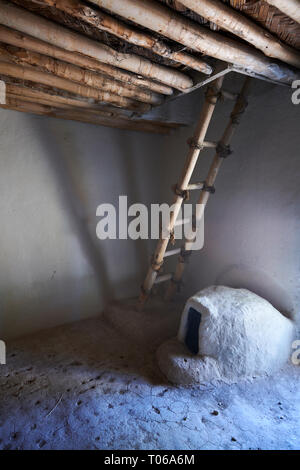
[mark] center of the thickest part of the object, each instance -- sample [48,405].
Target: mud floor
[94,384]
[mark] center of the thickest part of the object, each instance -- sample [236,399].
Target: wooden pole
[191,160]
[231,20]
[76,74]
[53,99]
[15,38]
[38,27]
[57,101]
[17,104]
[26,73]
[34,90]
[289,7]
[104,22]
[157,17]
[239,108]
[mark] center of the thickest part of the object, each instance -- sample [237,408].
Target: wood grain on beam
[233,21]
[164,21]
[26,73]
[105,22]
[17,104]
[15,38]
[36,95]
[34,25]
[76,74]
[54,100]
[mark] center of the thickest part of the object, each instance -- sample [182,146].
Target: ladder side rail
[238,110]
[196,143]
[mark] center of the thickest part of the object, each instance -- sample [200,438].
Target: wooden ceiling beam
[76,74]
[26,73]
[157,17]
[17,104]
[15,38]
[105,22]
[52,98]
[231,20]
[38,27]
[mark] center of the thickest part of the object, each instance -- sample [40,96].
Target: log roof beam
[233,21]
[157,17]
[48,31]
[105,22]
[52,97]
[17,104]
[18,39]
[26,73]
[76,74]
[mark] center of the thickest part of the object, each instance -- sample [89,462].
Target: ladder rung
[209,144]
[176,251]
[163,278]
[195,186]
[228,95]
[181,222]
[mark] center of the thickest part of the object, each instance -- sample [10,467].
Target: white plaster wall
[54,174]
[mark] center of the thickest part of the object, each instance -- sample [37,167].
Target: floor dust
[94,384]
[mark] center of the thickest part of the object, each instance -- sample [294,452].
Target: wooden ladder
[197,143]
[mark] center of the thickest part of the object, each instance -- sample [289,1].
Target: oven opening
[192,333]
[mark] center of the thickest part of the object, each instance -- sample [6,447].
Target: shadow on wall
[57,270]
[258,281]
[72,198]
[118,169]
[136,186]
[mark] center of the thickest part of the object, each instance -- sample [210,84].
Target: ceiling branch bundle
[109,24]
[161,19]
[29,23]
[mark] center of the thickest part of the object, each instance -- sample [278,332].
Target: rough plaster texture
[54,174]
[240,336]
[88,385]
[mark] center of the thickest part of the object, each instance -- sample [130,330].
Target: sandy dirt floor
[95,384]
